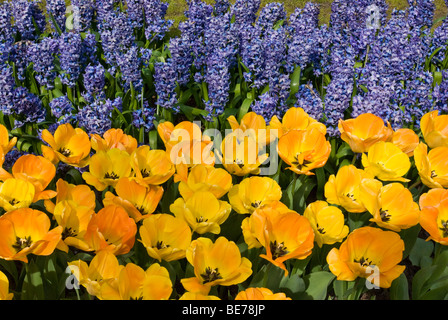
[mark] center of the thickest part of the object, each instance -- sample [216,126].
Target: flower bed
[249,155]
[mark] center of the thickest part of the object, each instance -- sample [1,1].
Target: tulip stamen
[256,204]
[444,228]
[384,215]
[300,164]
[65,152]
[111,175]
[160,245]
[145,173]
[201,219]
[278,249]
[22,243]
[239,162]
[350,196]
[364,262]
[13,202]
[320,229]
[433,174]
[210,275]
[68,232]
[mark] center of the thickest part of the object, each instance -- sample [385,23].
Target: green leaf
[292,286]
[422,249]
[32,288]
[399,289]
[317,285]
[244,108]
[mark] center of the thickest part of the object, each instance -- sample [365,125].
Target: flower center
[145,173]
[201,219]
[384,215]
[256,203]
[111,175]
[65,152]
[433,174]
[22,243]
[160,245]
[320,229]
[13,202]
[444,228]
[278,249]
[364,262]
[210,275]
[300,163]
[68,232]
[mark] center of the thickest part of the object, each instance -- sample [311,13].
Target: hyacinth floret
[96,118]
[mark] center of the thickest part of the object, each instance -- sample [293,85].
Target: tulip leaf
[317,285]
[420,251]
[399,289]
[292,286]
[32,287]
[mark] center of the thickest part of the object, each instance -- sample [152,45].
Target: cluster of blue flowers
[91,60]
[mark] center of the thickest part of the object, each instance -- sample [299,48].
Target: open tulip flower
[432,166]
[202,211]
[254,192]
[138,200]
[69,145]
[27,231]
[392,206]
[111,229]
[342,189]
[165,237]
[16,194]
[172,134]
[327,222]
[6,144]
[151,167]
[386,162]
[103,267]
[134,283]
[253,125]
[4,288]
[435,129]
[113,138]
[364,131]
[260,294]
[215,263]
[35,169]
[304,150]
[434,219]
[206,178]
[295,118]
[369,253]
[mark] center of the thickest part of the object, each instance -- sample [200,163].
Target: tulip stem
[415,184]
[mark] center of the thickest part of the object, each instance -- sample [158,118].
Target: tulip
[138,200]
[434,219]
[6,144]
[16,194]
[304,150]
[386,162]
[203,212]
[406,139]
[4,288]
[106,168]
[165,237]
[27,231]
[103,267]
[254,192]
[260,294]
[184,131]
[435,129]
[253,125]
[215,263]
[69,145]
[364,131]
[206,178]
[151,167]
[392,206]
[433,198]
[114,138]
[295,118]
[369,253]
[37,170]
[327,222]
[342,189]
[111,229]
[197,296]
[134,283]
[432,166]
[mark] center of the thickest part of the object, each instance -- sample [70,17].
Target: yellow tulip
[69,145]
[369,253]
[16,194]
[215,263]
[327,222]
[406,139]
[253,125]
[172,134]
[260,294]
[342,189]
[27,231]
[386,162]
[134,283]
[165,237]
[392,206]
[202,211]
[304,150]
[106,168]
[6,144]
[4,288]
[197,296]
[206,178]
[103,267]
[432,166]
[114,138]
[254,192]
[111,229]
[435,129]
[295,118]
[138,200]
[364,131]
[151,167]
[434,220]
[74,220]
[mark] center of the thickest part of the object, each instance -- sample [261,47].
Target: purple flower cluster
[70,50]
[144,117]
[28,18]
[42,55]
[156,24]
[57,9]
[97,116]
[27,107]
[165,85]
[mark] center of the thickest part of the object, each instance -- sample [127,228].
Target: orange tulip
[114,138]
[295,118]
[433,198]
[434,219]
[432,166]
[406,139]
[69,145]
[364,131]
[111,229]
[369,253]
[435,129]
[27,231]
[139,201]
[260,294]
[304,150]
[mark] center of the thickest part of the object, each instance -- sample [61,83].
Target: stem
[415,184]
